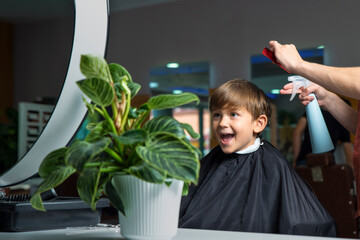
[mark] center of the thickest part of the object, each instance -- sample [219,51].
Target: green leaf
[197,150]
[133,113]
[90,107]
[94,66]
[190,130]
[133,158]
[114,197]
[98,131]
[165,124]
[36,202]
[131,137]
[57,176]
[185,190]
[83,152]
[98,90]
[52,161]
[171,154]
[134,88]
[118,72]
[90,187]
[143,109]
[165,101]
[147,173]
[86,184]
[118,90]
[91,126]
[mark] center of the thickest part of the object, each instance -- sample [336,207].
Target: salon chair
[334,187]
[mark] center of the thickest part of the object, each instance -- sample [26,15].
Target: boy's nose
[224,122]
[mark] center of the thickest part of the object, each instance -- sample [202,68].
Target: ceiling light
[275,91]
[177,91]
[172,65]
[153,84]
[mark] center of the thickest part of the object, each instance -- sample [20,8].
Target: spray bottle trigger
[297,82]
[296,86]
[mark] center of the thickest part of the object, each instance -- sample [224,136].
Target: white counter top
[106,233]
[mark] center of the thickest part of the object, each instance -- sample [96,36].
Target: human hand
[287,55]
[288,89]
[321,93]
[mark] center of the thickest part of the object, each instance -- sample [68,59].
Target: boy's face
[233,129]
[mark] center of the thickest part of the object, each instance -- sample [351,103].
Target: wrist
[330,101]
[300,68]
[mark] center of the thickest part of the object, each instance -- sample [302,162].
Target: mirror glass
[89,36]
[34,90]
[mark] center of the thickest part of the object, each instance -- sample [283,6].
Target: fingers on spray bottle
[319,134]
[298,82]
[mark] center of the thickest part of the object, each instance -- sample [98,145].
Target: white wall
[224,32]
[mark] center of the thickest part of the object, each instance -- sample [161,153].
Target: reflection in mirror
[90,36]
[31,92]
[29,34]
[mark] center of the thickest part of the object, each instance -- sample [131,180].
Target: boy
[245,183]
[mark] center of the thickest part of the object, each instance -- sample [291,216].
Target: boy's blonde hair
[239,93]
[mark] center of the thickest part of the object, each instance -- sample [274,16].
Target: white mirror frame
[90,36]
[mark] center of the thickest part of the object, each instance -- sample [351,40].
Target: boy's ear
[260,123]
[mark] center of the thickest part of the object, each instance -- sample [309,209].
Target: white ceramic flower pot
[152,210]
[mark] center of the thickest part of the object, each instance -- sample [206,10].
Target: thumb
[272,45]
[306,91]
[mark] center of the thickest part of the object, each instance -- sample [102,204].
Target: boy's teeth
[227,137]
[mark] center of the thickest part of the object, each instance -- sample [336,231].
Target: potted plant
[124,143]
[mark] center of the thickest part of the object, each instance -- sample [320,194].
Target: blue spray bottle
[319,134]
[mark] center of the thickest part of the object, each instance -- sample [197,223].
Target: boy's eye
[215,115]
[233,114]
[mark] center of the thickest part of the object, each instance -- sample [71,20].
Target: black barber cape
[254,192]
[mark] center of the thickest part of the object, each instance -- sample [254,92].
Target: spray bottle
[319,134]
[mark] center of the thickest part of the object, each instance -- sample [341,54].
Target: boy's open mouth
[226,138]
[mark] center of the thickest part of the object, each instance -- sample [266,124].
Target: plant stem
[114,106]
[115,155]
[141,120]
[105,167]
[99,111]
[111,169]
[121,110]
[97,164]
[108,118]
[127,93]
[93,197]
[103,112]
